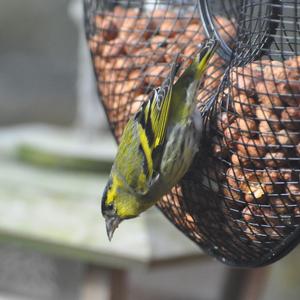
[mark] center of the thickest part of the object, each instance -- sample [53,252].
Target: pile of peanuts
[133,51]
[259,139]
[258,136]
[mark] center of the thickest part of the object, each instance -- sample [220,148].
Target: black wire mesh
[241,203]
[133,44]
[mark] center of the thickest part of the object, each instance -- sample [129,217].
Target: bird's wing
[151,123]
[154,115]
[133,162]
[159,108]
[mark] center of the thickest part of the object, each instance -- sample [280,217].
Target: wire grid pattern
[240,203]
[255,162]
[134,43]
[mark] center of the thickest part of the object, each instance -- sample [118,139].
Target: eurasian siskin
[158,144]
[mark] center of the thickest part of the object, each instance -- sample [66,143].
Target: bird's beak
[112,224]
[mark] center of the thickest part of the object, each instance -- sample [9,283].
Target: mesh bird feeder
[241,204]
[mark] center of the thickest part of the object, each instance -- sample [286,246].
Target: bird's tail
[202,58]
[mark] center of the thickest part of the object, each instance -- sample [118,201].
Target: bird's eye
[110,206]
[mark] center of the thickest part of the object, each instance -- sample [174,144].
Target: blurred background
[53,137]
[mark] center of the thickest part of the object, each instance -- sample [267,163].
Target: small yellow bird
[158,144]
